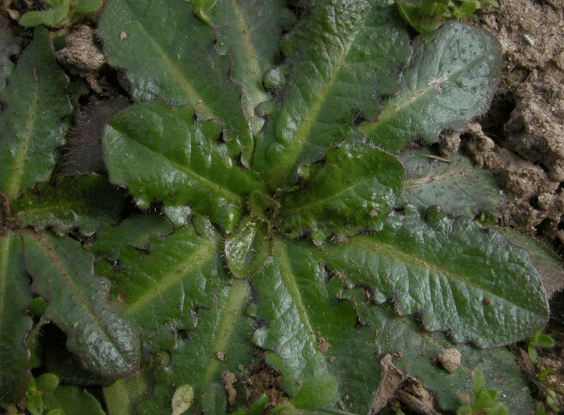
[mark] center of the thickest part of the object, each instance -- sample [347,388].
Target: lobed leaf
[86,202]
[136,231]
[456,277]
[162,154]
[31,127]
[161,290]
[310,334]
[250,33]
[450,78]
[342,59]
[106,343]
[168,53]
[355,188]
[14,324]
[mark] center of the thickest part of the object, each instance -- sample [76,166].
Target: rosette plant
[272,223]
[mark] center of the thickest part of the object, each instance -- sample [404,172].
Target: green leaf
[10,47]
[250,33]
[31,126]
[70,400]
[316,392]
[420,349]
[355,188]
[451,78]
[457,186]
[47,382]
[430,269]
[344,57]
[219,343]
[162,154]
[87,202]
[310,334]
[136,231]
[247,249]
[106,343]
[50,17]
[169,53]
[14,324]
[160,290]
[87,6]
[202,8]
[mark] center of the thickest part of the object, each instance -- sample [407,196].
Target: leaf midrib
[191,263]
[364,243]
[292,152]
[203,181]
[398,104]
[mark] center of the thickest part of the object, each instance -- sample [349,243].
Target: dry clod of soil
[228,379]
[82,57]
[450,359]
[526,122]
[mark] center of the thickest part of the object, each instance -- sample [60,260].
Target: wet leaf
[250,33]
[219,343]
[456,186]
[31,127]
[161,153]
[135,231]
[309,333]
[451,78]
[168,53]
[161,290]
[14,324]
[354,189]
[106,343]
[344,57]
[87,202]
[430,268]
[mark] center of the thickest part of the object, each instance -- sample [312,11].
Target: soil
[520,140]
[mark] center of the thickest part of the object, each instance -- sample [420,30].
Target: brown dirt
[524,130]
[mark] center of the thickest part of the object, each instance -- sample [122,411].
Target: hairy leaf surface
[430,269]
[450,78]
[106,342]
[14,325]
[163,154]
[31,126]
[87,202]
[168,52]
[342,60]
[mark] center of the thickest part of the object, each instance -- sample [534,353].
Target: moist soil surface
[520,140]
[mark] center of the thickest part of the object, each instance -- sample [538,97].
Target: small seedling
[64,12]
[429,15]
[484,399]
[538,340]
